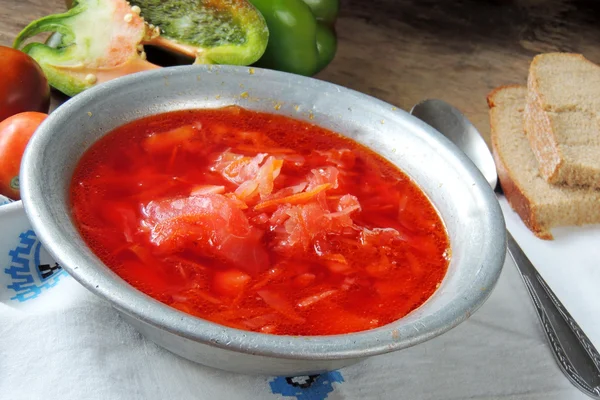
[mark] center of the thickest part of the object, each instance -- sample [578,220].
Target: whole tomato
[15,133]
[23,85]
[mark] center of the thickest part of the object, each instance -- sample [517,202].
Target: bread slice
[540,204]
[562,118]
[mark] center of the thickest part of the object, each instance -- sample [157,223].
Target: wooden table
[402,51]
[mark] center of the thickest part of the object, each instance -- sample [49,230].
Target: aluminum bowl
[463,198]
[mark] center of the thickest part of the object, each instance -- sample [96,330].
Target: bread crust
[519,202]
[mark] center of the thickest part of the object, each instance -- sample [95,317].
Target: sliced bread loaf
[540,204]
[562,118]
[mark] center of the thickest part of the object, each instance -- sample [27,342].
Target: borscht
[259,222]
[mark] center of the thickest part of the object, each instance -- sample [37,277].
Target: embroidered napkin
[58,341]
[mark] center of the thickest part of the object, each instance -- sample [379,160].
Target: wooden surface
[402,51]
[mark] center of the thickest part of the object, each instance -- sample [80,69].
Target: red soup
[259,222]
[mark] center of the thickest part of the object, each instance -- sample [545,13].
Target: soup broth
[259,222]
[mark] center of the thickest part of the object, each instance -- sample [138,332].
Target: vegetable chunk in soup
[259,222]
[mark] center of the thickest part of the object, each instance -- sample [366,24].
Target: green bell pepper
[213,32]
[99,40]
[302,37]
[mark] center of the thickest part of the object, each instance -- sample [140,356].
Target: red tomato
[15,132]
[23,85]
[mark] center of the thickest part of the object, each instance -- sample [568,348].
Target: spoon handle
[576,355]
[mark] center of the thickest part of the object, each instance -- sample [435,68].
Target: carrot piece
[288,191]
[299,198]
[190,265]
[206,189]
[339,268]
[281,305]
[336,263]
[269,276]
[304,280]
[268,329]
[270,150]
[337,257]
[310,300]
[261,320]
[231,282]
[167,140]
[205,296]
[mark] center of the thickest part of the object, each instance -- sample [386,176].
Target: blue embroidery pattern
[313,387]
[29,278]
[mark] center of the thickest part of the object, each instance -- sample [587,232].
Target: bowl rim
[151,311]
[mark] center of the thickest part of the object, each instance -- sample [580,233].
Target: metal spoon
[575,354]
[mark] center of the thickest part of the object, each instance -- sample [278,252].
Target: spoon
[575,354]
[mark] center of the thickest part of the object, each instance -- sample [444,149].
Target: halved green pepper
[302,37]
[101,40]
[213,31]
[104,39]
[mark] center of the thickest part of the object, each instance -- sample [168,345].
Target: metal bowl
[463,198]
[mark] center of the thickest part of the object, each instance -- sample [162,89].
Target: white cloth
[67,344]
